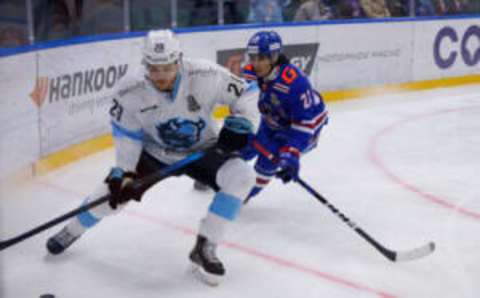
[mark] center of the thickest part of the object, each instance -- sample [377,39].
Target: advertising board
[446,48]
[19,114]
[80,81]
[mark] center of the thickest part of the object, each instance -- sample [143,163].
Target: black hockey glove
[234,134]
[120,185]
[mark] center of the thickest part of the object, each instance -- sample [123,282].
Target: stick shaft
[141,185]
[53,222]
[391,255]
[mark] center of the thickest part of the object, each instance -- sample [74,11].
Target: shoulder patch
[289,75]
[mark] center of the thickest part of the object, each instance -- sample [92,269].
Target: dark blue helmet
[264,43]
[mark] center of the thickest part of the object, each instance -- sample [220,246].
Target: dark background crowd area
[26,22]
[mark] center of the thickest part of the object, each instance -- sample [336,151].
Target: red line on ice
[375,158]
[266,257]
[244,249]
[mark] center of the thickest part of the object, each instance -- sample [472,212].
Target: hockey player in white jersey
[160,118]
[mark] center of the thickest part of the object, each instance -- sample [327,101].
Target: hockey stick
[392,255]
[140,186]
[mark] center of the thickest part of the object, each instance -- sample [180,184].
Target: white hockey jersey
[170,125]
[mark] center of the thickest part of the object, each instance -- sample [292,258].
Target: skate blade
[205,277]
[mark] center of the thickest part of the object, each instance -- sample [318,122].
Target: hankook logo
[78,83]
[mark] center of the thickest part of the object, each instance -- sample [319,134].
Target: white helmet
[161,47]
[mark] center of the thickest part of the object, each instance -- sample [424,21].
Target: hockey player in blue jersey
[293,113]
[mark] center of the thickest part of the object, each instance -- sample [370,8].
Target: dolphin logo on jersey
[178,133]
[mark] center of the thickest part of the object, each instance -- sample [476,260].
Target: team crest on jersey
[178,133]
[193,105]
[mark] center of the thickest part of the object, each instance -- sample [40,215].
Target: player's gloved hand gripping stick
[138,186]
[394,256]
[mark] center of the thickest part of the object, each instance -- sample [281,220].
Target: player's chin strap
[140,185]
[394,256]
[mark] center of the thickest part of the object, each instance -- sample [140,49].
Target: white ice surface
[404,167]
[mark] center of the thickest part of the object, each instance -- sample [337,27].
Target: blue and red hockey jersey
[293,113]
[292,116]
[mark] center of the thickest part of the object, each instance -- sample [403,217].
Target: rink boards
[57,95]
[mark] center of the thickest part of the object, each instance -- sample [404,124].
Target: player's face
[163,76]
[262,64]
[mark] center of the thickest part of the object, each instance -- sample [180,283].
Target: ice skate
[205,264]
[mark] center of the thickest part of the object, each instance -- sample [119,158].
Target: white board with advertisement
[446,48]
[81,80]
[19,113]
[337,56]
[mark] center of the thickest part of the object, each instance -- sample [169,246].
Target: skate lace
[209,252]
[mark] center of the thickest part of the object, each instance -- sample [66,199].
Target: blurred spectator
[62,21]
[313,10]
[13,23]
[12,36]
[232,11]
[398,8]
[204,12]
[149,14]
[12,11]
[472,6]
[235,62]
[56,19]
[375,8]
[456,6]
[289,9]
[440,7]
[424,8]
[347,9]
[266,11]
[101,16]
